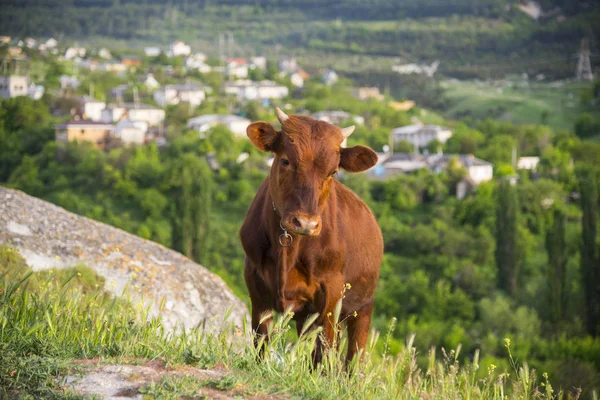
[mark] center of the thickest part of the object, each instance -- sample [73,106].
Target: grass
[540,103]
[44,330]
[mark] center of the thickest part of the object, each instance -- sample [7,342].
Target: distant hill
[51,237]
[471,38]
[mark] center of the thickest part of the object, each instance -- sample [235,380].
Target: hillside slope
[51,237]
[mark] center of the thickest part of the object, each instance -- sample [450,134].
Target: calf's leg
[358,331]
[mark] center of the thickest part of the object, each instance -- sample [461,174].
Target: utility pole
[584,66]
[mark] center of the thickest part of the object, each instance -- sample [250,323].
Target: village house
[35,91]
[197,61]
[249,90]
[191,93]
[258,62]
[299,77]
[91,109]
[13,86]
[94,132]
[330,77]
[420,135]
[130,132]
[48,45]
[114,66]
[478,171]
[288,65]
[178,48]
[237,68]
[51,43]
[366,93]
[74,52]
[150,81]
[119,91]
[68,82]
[14,51]
[151,51]
[135,112]
[529,163]
[104,53]
[88,63]
[131,61]
[408,69]
[337,117]
[31,43]
[237,125]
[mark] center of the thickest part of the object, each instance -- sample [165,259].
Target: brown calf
[306,235]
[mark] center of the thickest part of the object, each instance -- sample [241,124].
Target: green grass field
[52,324]
[539,103]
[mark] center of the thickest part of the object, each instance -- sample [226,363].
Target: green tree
[590,264]
[507,252]
[556,247]
[191,183]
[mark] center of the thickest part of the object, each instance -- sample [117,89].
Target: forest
[516,259]
[471,39]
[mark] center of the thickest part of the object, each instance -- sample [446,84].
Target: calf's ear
[357,158]
[262,135]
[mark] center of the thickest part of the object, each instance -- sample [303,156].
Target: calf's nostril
[296,223]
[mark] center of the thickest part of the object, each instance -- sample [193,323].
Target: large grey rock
[51,237]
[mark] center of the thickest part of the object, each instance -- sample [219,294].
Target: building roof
[130,106]
[185,87]
[428,160]
[247,83]
[239,61]
[216,119]
[84,122]
[414,129]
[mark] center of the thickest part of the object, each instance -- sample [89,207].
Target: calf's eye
[284,162]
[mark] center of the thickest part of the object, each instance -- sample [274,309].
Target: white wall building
[151,51]
[330,77]
[407,69]
[258,62]
[237,68]
[131,132]
[178,48]
[150,81]
[92,108]
[51,43]
[390,164]
[104,53]
[174,94]
[153,116]
[197,61]
[35,91]
[234,123]
[13,86]
[68,82]
[73,52]
[529,163]
[249,90]
[288,65]
[421,135]
[336,117]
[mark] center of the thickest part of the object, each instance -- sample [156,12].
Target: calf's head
[307,155]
